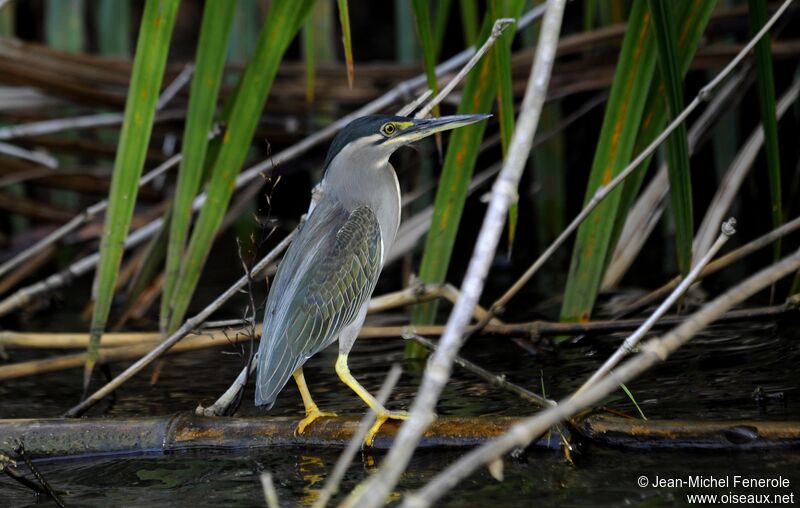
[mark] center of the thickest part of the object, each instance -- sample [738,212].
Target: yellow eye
[388,129]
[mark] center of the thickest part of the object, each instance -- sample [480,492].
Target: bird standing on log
[324,282]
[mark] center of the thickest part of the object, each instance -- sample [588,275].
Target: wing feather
[327,275]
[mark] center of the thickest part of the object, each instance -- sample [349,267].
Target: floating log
[185,432]
[688,434]
[188,432]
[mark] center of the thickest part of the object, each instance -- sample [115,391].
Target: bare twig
[20,451]
[643,216]
[603,191]
[188,326]
[270,494]
[504,191]
[653,352]
[729,187]
[356,442]
[28,155]
[728,229]
[79,220]
[497,30]
[718,264]
[492,379]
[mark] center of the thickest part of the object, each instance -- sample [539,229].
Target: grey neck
[355,179]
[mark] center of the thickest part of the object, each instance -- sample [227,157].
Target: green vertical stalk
[766,101]
[677,144]
[244,35]
[148,72]
[210,63]
[282,23]
[422,17]
[114,27]
[347,40]
[469,21]
[626,102]
[479,92]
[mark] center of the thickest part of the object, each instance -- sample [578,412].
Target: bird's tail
[274,368]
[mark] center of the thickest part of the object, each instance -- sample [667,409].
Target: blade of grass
[407,49]
[148,71]
[501,58]
[282,23]
[677,144]
[422,17]
[634,72]
[347,40]
[630,396]
[440,25]
[693,18]
[212,49]
[477,97]
[469,21]
[766,101]
[114,27]
[245,33]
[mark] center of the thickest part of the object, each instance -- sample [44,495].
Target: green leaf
[501,57]
[677,143]
[113,27]
[623,116]
[693,18]
[477,96]
[423,20]
[766,101]
[212,49]
[148,71]
[440,25]
[595,242]
[281,25]
[469,21]
[344,19]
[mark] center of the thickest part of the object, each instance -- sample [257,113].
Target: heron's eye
[388,129]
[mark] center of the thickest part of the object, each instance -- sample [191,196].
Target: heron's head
[372,139]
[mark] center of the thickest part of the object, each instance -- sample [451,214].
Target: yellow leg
[381,413]
[312,411]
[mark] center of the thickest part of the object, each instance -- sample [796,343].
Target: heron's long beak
[424,128]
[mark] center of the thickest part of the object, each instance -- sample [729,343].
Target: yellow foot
[309,419]
[382,417]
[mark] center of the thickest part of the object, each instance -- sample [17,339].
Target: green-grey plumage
[322,287]
[308,307]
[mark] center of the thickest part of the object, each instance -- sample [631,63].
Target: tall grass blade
[114,27]
[347,40]
[626,102]
[469,21]
[406,45]
[766,101]
[501,58]
[64,25]
[148,71]
[692,18]
[479,92]
[677,144]
[422,17]
[244,35]
[282,23]
[440,19]
[212,49]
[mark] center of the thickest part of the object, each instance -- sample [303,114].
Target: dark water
[713,377]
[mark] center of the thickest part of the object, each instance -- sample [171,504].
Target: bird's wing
[324,280]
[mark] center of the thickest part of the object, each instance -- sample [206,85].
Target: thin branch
[79,220]
[270,494]
[28,155]
[653,352]
[603,191]
[497,30]
[187,327]
[728,229]
[717,265]
[504,191]
[493,379]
